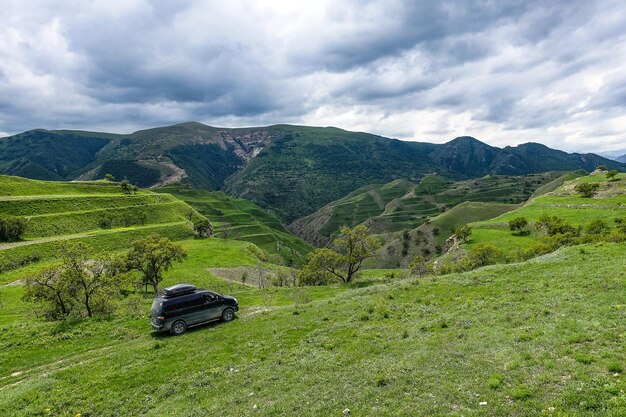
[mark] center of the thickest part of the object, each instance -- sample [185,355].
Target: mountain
[292,170]
[621,159]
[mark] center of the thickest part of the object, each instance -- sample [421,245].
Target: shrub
[518,224]
[105,221]
[611,174]
[11,228]
[597,227]
[553,225]
[587,189]
[203,227]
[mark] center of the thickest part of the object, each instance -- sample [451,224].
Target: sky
[505,72]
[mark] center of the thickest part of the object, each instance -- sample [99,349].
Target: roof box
[178,290]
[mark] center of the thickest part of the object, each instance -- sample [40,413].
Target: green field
[523,338]
[542,337]
[240,219]
[608,204]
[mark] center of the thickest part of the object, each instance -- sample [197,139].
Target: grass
[608,204]
[501,335]
[399,205]
[240,219]
[538,337]
[56,211]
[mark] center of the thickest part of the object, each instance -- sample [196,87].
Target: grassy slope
[57,211]
[521,338]
[398,206]
[242,219]
[353,209]
[563,202]
[424,239]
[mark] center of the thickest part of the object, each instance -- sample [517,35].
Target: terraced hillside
[98,212]
[401,205]
[608,204]
[240,219]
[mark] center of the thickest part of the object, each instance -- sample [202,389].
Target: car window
[209,298]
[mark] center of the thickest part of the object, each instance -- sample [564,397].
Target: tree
[518,224]
[126,186]
[11,228]
[346,257]
[611,174]
[79,286]
[418,266]
[203,227]
[47,288]
[601,168]
[109,177]
[152,256]
[93,281]
[244,278]
[463,232]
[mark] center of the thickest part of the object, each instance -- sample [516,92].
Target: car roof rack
[178,290]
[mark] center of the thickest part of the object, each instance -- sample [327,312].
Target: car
[183,305]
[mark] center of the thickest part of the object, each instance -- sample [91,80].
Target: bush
[587,189]
[553,225]
[597,227]
[518,224]
[463,232]
[11,228]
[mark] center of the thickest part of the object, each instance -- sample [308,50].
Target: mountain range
[292,170]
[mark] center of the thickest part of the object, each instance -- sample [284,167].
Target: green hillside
[565,203]
[547,334]
[98,213]
[353,209]
[240,219]
[400,205]
[429,239]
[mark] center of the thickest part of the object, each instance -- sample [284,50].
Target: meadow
[544,337]
[540,337]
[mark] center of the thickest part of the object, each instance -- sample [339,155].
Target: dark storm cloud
[502,71]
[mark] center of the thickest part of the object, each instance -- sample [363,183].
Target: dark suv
[184,305]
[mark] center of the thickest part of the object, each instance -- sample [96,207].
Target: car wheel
[228,315]
[179,328]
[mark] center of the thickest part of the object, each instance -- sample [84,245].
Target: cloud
[505,72]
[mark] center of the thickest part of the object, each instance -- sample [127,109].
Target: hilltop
[292,170]
[565,203]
